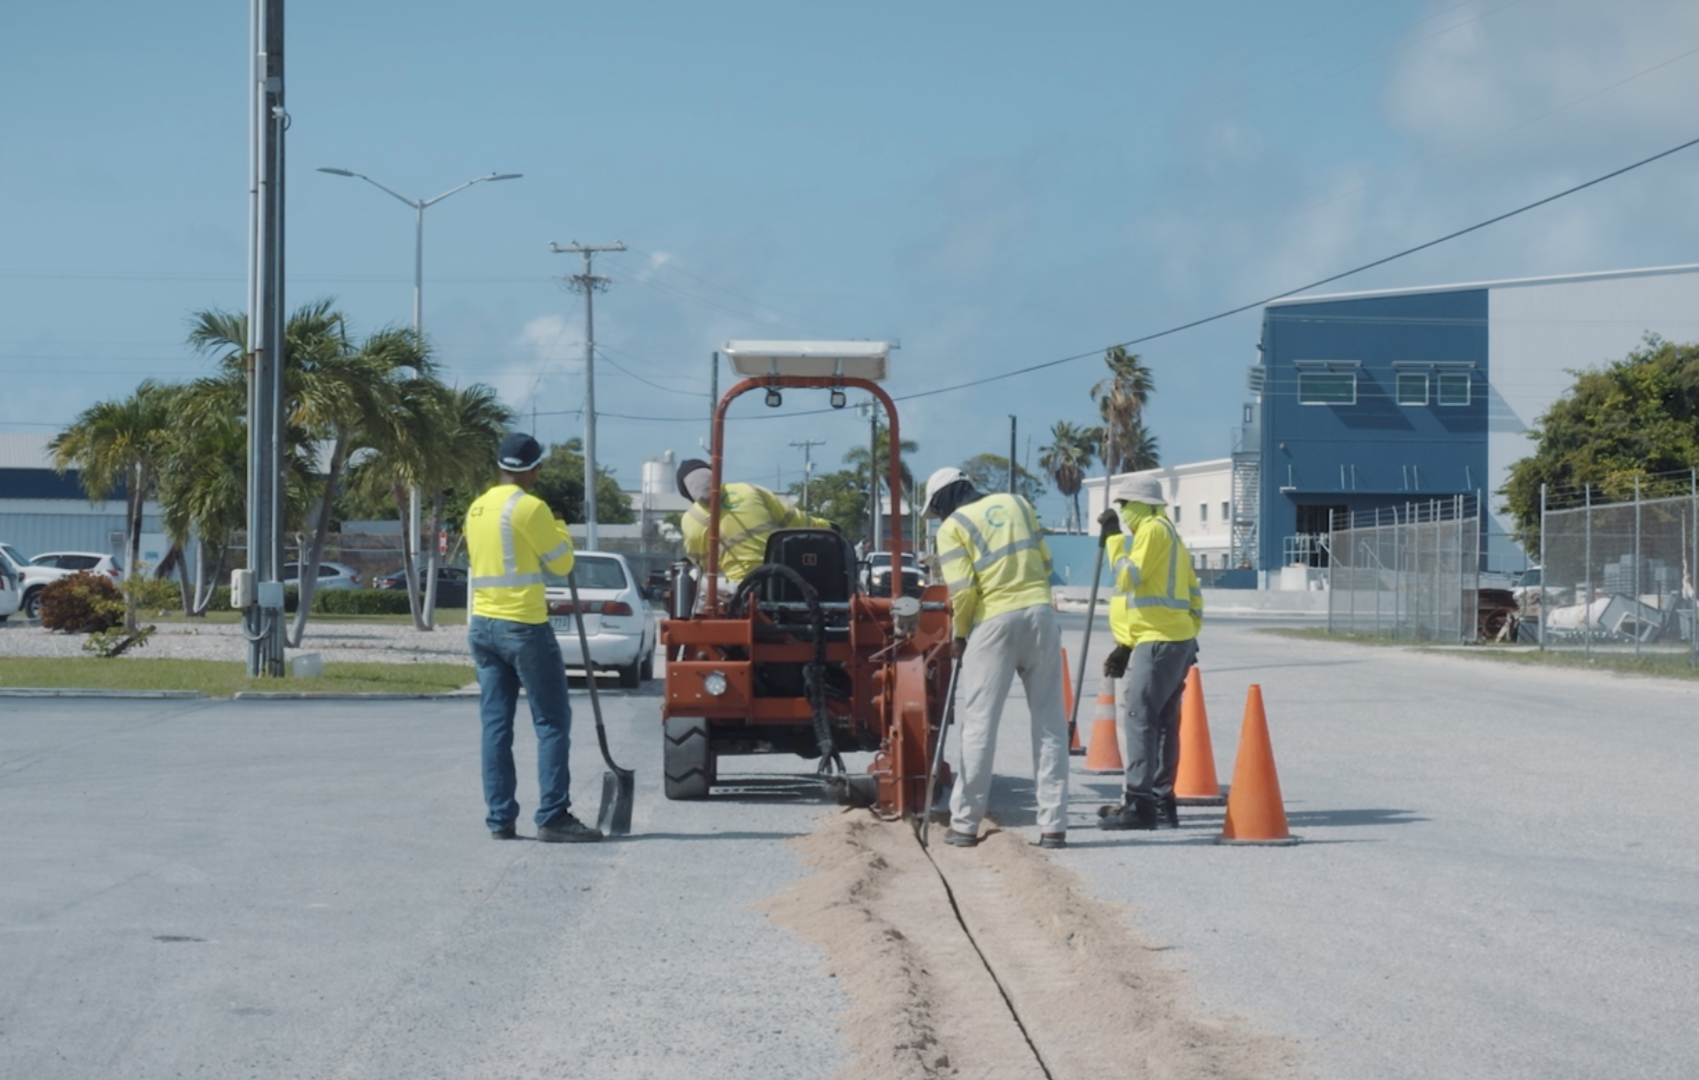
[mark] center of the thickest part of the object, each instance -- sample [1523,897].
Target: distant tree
[990,473]
[1121,400]
[857,458]
[119,444]
[1066,460]
[839,497]
[560,483]
[1635,417]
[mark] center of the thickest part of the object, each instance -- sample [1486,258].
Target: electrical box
[270,595]
[241,589]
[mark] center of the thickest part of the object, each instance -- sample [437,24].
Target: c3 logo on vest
[996,518]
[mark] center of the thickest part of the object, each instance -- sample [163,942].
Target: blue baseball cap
[519,453]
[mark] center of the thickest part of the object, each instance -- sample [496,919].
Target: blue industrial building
[1381,399]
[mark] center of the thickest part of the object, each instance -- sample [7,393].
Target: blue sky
[993,184]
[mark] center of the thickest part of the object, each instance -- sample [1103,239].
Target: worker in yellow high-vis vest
[1155,620]
[997,566]
[749,513]
[511,537]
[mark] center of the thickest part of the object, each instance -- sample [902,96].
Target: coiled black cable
[813,674]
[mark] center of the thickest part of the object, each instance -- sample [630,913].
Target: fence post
[1540,627]
[1693,575]
[1587,608]
[1332,557]
[1637,566]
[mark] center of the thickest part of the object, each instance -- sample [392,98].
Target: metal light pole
[419,206]
[262,617]
[808,446]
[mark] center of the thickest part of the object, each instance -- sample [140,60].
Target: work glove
[1109,524]
[1115,664]
[958,647]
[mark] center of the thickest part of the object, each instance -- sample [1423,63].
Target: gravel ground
[336,642]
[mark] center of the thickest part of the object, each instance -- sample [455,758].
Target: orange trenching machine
[796,658]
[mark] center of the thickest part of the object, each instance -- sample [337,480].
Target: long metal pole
[414,496]
[263,626]
[1011,454]
[1693,574]
[589,408]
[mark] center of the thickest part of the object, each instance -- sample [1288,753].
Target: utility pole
[713,390]
[262,619]
[589,283]
[808,446]
[1011,454]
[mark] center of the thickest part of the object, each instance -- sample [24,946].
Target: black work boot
[1138,813]
[1169,808]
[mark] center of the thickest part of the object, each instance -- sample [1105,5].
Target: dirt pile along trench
[1095,1001]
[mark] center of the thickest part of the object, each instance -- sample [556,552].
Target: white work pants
[1029,643]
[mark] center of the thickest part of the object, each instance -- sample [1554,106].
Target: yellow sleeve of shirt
[955,557]
[546,534]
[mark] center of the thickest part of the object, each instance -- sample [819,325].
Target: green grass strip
[222,678]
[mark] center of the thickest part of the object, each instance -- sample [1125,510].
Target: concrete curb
[308,695]
[73,692]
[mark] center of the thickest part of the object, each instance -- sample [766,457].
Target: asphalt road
[1497,879]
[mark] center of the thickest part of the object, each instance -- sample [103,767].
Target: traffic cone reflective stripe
[1255,812]
[1194,778]
[1104,755]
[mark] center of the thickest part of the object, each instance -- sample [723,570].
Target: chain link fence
[1409,572]
[1616,568]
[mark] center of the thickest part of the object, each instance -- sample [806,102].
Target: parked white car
[618,624]
[11,591]
[73,561]
[34,577]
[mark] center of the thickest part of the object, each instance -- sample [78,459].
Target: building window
[1203,513]
[1226,511]
[1176,513]
[1413,388]
[1326,388]
[1454,389]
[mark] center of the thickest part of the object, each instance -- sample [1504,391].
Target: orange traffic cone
[1074,746]
[1194,778]
[1255,813]
[1104,756]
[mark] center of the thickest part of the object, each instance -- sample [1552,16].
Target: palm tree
[1121,399]
[857,459]
[476,420]
[203,483]
[337,398]
[120,443]
[1066,460]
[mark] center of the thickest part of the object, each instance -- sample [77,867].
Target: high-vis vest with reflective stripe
[994,560]
[748,513]
[510,538]
[1159,594]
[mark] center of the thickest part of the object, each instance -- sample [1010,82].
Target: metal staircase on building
[1247,497]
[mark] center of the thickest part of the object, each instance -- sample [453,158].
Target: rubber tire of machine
[687,759]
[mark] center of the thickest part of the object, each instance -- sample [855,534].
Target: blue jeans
[510,655]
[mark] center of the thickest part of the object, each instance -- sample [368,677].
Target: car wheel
[32,605]
[647,671]
[687,759]
[631,675]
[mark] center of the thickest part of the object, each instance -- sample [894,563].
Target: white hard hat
[1139,488]
[938,481]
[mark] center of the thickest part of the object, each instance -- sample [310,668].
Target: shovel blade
[618,791]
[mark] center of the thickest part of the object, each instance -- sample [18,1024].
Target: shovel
[618,784]
[938,751]
[1079,680]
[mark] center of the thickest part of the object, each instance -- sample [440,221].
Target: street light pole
[419,206]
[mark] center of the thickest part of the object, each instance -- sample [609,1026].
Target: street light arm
[362,176]
[467,184]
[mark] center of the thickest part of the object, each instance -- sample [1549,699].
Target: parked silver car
[332,575]
[618,624]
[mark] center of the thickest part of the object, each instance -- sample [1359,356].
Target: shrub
[361,602]
[154,594]
[82,603]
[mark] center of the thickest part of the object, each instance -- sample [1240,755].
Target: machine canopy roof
[846,359]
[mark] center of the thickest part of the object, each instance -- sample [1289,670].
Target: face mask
[697,484]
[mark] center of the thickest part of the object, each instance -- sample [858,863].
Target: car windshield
[592,572]
[14,555]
